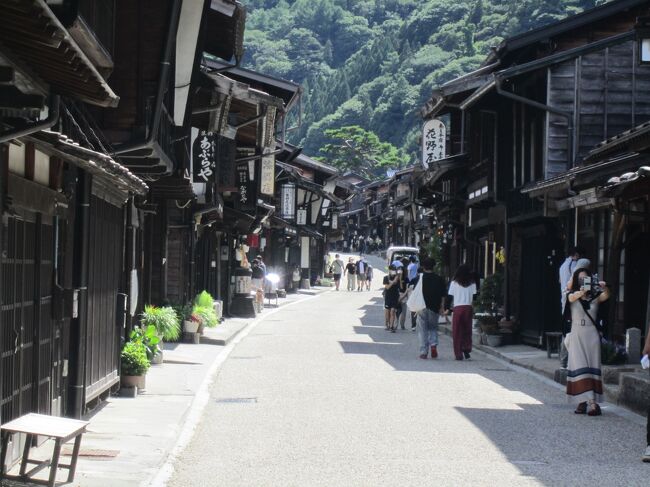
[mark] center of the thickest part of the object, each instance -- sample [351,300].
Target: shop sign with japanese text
[204,155]
[434,142]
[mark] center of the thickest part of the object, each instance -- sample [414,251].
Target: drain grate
[92,452]
[237,400]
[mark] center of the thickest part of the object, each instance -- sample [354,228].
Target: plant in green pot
[166,323]
[134,364]
[204,310]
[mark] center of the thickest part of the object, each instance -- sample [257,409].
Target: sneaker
[646,455]
[423,356]
[434,351]
[466,355]
[413,329]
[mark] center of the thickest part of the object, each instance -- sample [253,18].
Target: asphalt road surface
[319,394]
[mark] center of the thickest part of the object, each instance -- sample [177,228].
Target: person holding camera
[584,377]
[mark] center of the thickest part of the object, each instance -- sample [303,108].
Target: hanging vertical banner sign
[226,152]
[204,157]
[288,201]
[247,197]
[267,176]
[301,216]
[434,142]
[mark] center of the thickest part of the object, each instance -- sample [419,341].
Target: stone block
[128,392]
[635,391]
[633,345]
[612,373]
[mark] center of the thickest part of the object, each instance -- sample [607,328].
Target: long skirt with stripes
[584,377]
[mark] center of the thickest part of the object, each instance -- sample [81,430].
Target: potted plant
[204,309]
[192,323]
[166,323]
[148,337]
[135,364]
[489,300]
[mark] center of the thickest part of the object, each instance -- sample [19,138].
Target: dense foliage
[373,63]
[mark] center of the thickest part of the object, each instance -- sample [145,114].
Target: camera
[591,284]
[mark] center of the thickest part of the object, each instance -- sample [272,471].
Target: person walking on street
[338,268]
[413,268]
[566,271]
[361,273]
[403,293]
[368,276]
[257,277]
[351,271]
[391,298]
[646,453]
[584,384]
[462,290]
[433,291]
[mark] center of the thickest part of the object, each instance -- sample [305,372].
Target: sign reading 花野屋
[434,142]
[204,151]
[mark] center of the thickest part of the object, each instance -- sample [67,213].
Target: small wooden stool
[553,343]
[61,429]
[272,295]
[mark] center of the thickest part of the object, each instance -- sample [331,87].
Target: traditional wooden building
[524,124]
[64,208]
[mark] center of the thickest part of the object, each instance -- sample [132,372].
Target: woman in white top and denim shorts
[462,289]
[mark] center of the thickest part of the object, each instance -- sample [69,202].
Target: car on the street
[399,252]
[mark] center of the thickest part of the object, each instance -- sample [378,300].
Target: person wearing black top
[434,292]
[391,298]
[351,271]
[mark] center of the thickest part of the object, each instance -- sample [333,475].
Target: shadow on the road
[549,443]
[539,435]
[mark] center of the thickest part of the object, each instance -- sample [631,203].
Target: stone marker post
[633,345]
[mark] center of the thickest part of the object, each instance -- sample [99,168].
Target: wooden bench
[61,430]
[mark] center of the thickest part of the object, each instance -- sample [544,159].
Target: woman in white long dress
[584,377]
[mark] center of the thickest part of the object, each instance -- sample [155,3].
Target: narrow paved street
[320,394]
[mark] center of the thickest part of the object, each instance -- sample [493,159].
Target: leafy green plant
[204,299]
[165,320]
[490,296]
[134,359]
[148,338]
[207,315]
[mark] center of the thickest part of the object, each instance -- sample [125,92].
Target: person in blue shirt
[413,268]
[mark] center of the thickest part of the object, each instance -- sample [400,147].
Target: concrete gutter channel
[135,441]
[624,385]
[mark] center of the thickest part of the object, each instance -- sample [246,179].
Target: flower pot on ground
[494,340]
[134,364]
[191,326]
[148,337]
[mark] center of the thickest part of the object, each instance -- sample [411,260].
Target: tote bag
[416,302]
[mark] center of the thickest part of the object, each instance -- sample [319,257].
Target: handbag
[416,301]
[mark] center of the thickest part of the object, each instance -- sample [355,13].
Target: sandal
[581,409]
[594,410]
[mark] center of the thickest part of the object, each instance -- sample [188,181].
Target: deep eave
[52,54]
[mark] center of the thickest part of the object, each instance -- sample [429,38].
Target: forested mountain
[373,63]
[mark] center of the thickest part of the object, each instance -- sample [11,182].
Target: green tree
[353,148]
